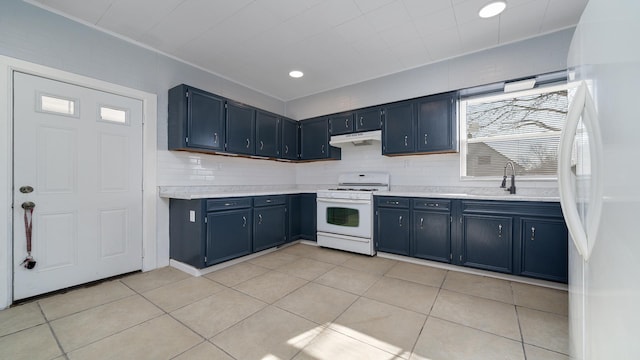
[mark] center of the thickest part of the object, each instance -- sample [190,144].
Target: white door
[80,150]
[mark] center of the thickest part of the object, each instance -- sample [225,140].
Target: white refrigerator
[599,180]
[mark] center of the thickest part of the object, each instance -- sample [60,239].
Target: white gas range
[345,214]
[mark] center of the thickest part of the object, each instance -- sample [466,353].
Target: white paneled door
[78,158]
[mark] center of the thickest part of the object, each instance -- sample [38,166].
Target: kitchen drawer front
[432,204]
[396,202]
[269,200]
[228,203]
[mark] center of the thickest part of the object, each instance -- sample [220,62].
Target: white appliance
[345,214]
[598,175]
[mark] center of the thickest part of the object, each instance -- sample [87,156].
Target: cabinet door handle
[229,204]
[400,220]
[244,221]
[215,137]
[500,230]
[421,223]
[259,219]
[425,139]
[533,233]
[361,121]
[261,144]
[405,141]
[322,148]
[248,143]
[346,123]
[286,149]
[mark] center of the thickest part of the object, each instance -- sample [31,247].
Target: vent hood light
[492,9]
[296,74]
[357,139]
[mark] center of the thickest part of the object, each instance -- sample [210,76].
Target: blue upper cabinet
[267,139]
[341,123]
[436,123]
[314,140]
[290,140]
[368,119]
[196,120]
[398,128]
[240,129]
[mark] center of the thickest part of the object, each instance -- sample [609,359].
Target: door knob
[26,189]
[28,205]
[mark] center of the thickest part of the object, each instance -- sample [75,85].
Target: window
[57,105]
[113,115]
[522,127]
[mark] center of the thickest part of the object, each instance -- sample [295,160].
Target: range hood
[357,139]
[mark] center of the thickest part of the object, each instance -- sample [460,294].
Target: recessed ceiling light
[296,74]
[492,9]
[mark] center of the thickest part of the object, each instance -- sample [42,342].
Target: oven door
[345,217]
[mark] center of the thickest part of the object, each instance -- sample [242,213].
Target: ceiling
[334,42]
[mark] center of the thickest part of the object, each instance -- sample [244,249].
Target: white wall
[534,56]
[530,57]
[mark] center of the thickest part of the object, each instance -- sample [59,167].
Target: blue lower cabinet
[544,249]
[487,242]
[393,230]
[307,216]
[431,238]
[228,235]
[269,221]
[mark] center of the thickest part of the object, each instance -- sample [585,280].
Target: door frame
[149,155]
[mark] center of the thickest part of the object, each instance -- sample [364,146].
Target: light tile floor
[300,302]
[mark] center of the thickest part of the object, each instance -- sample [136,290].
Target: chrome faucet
[512,188]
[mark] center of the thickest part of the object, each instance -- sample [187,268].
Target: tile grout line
[413,348]
[53,333]
[513,296]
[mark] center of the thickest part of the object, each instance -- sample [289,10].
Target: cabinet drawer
[431,204]
[396,202]
[269,200]
[228,203]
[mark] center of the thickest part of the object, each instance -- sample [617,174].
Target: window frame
[462,111]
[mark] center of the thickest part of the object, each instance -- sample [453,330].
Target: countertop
[470,193]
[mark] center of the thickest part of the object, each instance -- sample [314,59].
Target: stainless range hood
[357,139]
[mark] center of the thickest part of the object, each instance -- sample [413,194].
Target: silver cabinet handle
[244,221]
[261,144]
[248,143]
[322,148]
[268,200]
[259,219]
[405,141]
[421,223]
[425,139]
[346,123]
[400,220]
[361,121]
[229,204]
[286,149]
[533,233]
[500,230]
[215,138]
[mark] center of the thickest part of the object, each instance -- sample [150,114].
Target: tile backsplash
[177,168]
